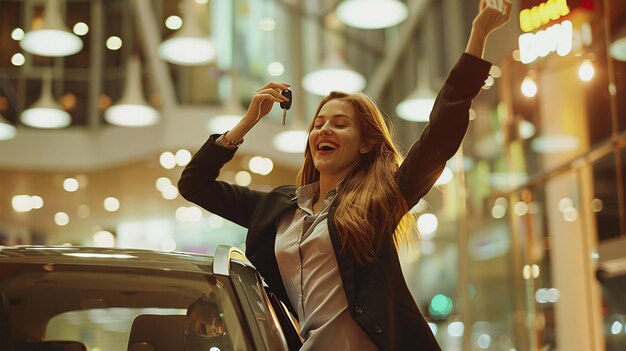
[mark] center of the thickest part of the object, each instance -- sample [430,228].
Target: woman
[327,247]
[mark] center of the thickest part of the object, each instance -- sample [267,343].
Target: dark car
[105,299]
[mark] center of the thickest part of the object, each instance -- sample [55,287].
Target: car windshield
[108,308]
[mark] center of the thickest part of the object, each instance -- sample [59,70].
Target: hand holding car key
[285,105]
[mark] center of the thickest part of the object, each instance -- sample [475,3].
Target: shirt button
[358,308]
[378,329]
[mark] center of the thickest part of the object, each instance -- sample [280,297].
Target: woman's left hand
[492,14]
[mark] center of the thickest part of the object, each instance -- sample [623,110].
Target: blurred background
[102,104]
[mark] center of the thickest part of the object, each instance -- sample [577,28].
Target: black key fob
[287,104]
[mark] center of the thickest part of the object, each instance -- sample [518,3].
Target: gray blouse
[309,271]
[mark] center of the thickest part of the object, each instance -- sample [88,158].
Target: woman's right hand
[261,105]
[264,100]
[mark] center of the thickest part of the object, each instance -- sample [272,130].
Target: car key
[285,105]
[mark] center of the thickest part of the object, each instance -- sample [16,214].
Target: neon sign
[540,15]
[556,38]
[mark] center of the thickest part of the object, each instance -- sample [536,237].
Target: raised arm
[449,118]
[198,182]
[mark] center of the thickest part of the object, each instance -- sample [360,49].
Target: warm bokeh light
[17,34]
[70,184]
[483,341]
[456,329]
[80,28]
[68,101]
[111,204]
[170,192]
[182,157]
[18,59]
[427,224]
[167,160]
[162,183]
[243,178]
[616,327]
[21,203]
[61,218]
[275,69]
[103,238]
[570,214]
[261,165]
[529,87]
[104,101]
[174,22]
[565,203]
[495,71]
[36,202]
[520,208]
[498,211]
[535,271]
[292,141]
[114,43]
[586,71]
[526,129]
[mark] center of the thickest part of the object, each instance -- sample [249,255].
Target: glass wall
[544,184]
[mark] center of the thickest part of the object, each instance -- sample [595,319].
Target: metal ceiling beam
[385,70]
[96,66]
[149,32]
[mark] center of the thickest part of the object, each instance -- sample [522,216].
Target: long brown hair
[370,203]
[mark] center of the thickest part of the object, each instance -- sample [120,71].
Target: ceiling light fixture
[132,110]
[53,38]
[7,130]
[372,14]
[189,45]
[46,112]
[333,75]
[418,105]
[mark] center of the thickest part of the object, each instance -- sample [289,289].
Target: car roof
[98,256]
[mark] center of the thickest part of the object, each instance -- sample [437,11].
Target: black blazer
[378,298]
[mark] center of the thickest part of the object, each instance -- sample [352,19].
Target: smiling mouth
[326,146]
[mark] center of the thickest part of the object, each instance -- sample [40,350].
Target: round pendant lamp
[132,110]
[46,112]
[189,45]
[53,38]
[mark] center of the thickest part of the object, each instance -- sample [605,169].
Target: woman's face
[335,140]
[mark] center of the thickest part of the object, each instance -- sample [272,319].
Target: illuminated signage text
[540,15]
[556,38]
